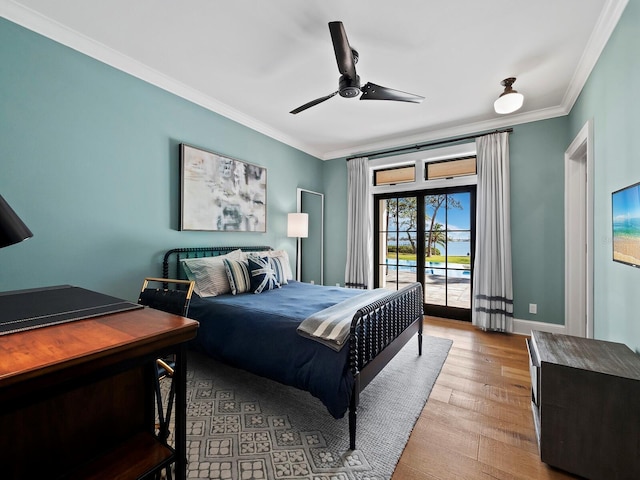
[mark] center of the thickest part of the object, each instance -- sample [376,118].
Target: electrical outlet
[533,308]
[311,282]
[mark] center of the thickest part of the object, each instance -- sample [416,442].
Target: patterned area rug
[240,426]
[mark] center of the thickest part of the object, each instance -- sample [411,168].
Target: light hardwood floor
[477,422]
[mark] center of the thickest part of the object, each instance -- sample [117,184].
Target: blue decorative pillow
[238,274]
[263,274]
[281,273]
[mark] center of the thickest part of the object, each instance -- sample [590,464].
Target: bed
[264,333]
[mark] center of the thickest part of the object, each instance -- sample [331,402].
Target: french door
[428,237]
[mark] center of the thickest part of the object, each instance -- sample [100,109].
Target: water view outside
[445,243]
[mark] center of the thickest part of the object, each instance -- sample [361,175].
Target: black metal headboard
[171,263]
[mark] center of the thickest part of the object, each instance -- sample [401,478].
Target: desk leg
[180,434]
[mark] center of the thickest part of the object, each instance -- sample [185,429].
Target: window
[392,176]
[458,167]
[425,169]
[424,225]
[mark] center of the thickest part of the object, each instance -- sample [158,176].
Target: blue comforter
[257,332]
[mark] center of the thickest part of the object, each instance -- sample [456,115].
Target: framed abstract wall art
[220,193]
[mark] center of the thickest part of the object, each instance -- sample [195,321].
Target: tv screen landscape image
[626,225]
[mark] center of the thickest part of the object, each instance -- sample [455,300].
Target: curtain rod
[429,144]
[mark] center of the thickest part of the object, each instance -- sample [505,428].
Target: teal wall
[536,154]
[537,218]
[335,208]
[89,160]
[609,100]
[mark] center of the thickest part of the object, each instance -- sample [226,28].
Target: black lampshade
[12,229]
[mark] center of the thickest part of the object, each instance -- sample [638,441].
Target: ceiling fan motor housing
[349,87]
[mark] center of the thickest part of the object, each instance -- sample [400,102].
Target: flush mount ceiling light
[510,100]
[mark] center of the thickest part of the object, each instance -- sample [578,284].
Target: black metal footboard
[378,333]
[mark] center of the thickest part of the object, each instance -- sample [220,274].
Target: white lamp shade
[508,102]
[298,225]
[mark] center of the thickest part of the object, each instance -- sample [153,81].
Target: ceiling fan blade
[371,91]
[312,103]
[344,55]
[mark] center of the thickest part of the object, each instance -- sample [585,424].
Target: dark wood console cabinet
[586,405]
[77,399]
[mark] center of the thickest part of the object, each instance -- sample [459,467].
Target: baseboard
[524,327]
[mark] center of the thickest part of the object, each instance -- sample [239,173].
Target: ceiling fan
[349,82]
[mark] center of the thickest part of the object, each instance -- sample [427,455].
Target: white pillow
[209,274]
[282,254]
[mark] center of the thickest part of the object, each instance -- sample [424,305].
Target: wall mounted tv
[625,205]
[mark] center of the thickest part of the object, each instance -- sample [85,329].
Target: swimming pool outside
[457,270]
[454,290]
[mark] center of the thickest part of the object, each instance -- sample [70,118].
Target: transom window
[393,176]
[458,167]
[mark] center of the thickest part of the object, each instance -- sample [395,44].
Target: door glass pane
[406,275]
[400,217]
[434,211]
[407,225]
[459,288]
[435,286]
[458,249]
[435,222]
[447,249]
[458,217]
[389,273]
[391,239]
[392,203]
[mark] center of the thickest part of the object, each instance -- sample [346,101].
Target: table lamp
[12,229]
[298,227]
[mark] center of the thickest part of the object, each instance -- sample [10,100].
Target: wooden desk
[77,399]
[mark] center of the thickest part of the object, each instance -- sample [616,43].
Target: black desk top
[39,307]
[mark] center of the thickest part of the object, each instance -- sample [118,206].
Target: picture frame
[221,194]
[625,215]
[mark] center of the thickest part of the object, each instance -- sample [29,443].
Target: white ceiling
[254,61]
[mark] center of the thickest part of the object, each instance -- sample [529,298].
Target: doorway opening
[578,214]
[428,237]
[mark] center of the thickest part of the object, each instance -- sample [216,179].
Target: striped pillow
[209,274]
[278,266]
[238,274]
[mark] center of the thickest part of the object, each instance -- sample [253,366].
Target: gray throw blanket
[331,326]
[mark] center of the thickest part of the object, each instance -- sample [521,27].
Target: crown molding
[444,133]
[609,18]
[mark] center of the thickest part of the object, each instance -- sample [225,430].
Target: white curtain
[492,307]
[359,230]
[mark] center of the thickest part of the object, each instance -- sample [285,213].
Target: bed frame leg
[420,337]
[352,427]
[353,412]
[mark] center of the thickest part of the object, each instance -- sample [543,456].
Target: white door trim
[578,221]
